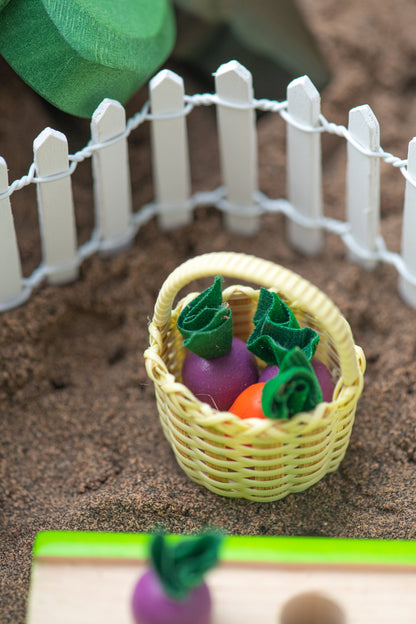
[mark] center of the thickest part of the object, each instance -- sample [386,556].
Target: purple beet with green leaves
[218,366]
[173,589]
[321,371]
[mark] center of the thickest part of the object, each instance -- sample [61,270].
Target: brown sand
[81,444]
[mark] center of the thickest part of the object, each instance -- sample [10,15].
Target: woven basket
[256,459]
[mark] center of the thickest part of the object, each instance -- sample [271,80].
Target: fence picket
[363,184]
[304,165]
[112,188]
[237,142]
[56,209]
[171,169]
[241,201]
[10,267]
[406,289]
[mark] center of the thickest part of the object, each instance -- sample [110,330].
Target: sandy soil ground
[81,446]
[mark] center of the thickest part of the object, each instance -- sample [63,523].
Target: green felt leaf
[181,566]
[277,331]
[295,389]
[271,307]
[206,323]
[75,53]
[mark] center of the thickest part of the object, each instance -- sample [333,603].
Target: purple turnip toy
[218,381]
[218,366]
[173,590]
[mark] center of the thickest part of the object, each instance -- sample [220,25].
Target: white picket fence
[239,198]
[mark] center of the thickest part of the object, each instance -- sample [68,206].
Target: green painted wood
[281,549]
[75,53]
[91,544]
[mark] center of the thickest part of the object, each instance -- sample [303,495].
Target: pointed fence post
[363,184]
[406,288]
[170,157]
[304,164]
[238,145]
[112,187]
[10,267]
[56,209]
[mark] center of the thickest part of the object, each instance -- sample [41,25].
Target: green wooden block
[75,53]
[319,551]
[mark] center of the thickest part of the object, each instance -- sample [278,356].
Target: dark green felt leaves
[181,566]
[75,53]
[295,389]
[206,324]
[277,331]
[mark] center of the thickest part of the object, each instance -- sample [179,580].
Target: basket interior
[243,302]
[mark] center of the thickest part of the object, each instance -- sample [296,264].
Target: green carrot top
[277,331]
[206,323]
[181,566]
[295,389]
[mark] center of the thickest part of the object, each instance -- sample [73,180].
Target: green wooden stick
[281,549]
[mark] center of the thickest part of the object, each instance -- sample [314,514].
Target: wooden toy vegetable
[325,379]
[218,366]
[173,590]
[295,389]
[248,403]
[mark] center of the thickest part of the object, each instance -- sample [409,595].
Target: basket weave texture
[257,459]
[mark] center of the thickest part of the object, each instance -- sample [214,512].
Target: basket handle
[269,275]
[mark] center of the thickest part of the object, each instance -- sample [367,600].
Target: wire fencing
[239,198]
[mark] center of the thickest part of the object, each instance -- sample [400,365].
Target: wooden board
[87,578]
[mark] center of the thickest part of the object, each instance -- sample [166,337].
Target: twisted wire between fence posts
[208,99]
[217,197]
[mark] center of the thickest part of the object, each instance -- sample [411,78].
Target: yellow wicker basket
[256,459]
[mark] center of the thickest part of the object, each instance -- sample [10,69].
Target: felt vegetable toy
[295,389]
[321,371]
[218,366]
[173,590]
[75,53]
[276,332]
